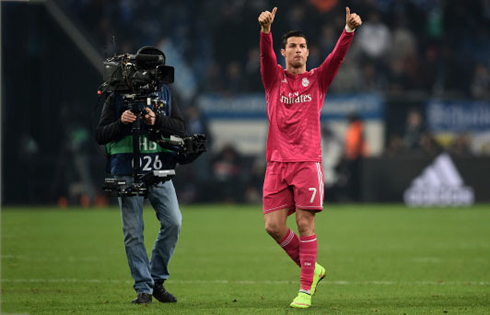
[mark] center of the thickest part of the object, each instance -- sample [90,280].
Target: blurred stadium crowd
[438,47]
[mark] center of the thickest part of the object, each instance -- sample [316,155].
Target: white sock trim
[288,239]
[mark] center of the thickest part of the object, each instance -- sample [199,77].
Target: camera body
[188,148]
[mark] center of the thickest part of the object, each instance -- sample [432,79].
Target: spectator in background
[429,145]
[355,148]
[197,124]
[73,171]
[328,37]
[370,79]
[297,17]
[417,139]
[215,80]
[332,155]
[431,70]
[192,176]
[480,85]
[461,146]
[374,39]
[234,78]
[229,28]
[414,129]
[195,121]
[227,171]
[253,192]
[348,78]
[404,59]
[398,79]
[315,58]
[252,70]
[404,42]
[395,147]
[324,5]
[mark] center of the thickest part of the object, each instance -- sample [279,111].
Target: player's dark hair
[292,34]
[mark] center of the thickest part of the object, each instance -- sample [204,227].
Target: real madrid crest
[305,82]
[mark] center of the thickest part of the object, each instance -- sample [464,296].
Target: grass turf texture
[380,260]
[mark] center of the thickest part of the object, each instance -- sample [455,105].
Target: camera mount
[119,187]
[141,181]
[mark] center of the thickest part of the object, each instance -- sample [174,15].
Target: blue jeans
[164,200]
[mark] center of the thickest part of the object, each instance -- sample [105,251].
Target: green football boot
[303,300]
[318,276]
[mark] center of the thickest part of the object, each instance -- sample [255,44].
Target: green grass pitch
[380,259]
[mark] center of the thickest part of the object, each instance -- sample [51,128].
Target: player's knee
[274,229]
[305,227]
[270,227]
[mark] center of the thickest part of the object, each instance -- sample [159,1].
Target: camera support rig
[119,187]
[188,149]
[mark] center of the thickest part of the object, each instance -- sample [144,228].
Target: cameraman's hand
[149,117]
[128,117]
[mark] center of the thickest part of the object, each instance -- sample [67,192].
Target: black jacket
[110,127]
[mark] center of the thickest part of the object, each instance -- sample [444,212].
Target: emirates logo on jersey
[305,82]
[295,98]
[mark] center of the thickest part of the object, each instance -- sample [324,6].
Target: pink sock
[307,253]
[290,243]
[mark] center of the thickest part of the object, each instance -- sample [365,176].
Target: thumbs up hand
[353,20]
[265,20]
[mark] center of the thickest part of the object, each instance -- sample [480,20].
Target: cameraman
[115,131]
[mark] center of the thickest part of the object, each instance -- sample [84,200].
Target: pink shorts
[293,185]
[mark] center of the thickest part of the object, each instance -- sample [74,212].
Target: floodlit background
[417,75]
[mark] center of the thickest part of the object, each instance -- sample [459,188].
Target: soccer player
[294,176]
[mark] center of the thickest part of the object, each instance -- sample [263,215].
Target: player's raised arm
[265,20]
[268,61]
[330,66]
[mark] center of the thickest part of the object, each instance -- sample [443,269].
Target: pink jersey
[294,104]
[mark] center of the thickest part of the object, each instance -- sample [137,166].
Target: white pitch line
[36,259]
[255,282]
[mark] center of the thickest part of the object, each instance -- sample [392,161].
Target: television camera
[140,73]
[139,78]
